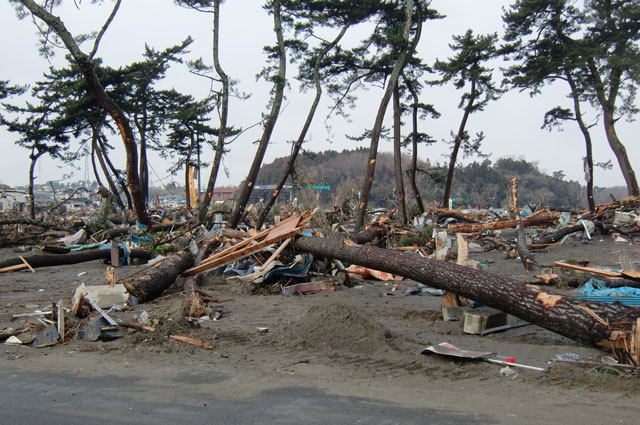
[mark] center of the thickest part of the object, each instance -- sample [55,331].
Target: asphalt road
[35,398]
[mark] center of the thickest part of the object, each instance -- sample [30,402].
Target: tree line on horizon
[590,47]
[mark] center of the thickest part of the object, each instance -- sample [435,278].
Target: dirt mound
[338,327]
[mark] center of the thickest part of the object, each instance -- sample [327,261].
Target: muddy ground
[358,342]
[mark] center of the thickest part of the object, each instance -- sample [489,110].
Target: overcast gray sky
[511,125]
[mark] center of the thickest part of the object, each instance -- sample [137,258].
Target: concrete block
[480,319]
[104,296]
[454,314]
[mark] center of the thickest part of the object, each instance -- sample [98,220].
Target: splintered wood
[284,230]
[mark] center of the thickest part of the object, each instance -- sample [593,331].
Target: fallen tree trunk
[608,326]
[154,281]
[368,235]
[559,234]
[30,222]
[124,230]
[444,213]
[37,261]
[543,218]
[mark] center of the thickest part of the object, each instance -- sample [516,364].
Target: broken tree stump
[528,260]
[608,326]
[154,281]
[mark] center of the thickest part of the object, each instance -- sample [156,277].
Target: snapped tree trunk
[365,191]
[598,324]
[224,114]
[397,156]
[280,80]
[112,108]
[303,133]
[152,283]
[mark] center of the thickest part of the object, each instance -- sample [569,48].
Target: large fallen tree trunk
[36,261]
[154,281]
[609,326]
[542,218]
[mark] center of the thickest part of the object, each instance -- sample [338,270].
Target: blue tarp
[598,288]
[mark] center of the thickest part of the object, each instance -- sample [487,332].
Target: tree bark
[305,128]
[37,261]
[397,156]
[368,235]
[224,114]
[280,80]
[112,108]
[152,283]
[384,103]
[575,319]
[456,146]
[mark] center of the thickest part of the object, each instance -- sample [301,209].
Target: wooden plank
[27,264]
[587,269]
[192,341]
[275,255]
[221,261]
[246,241]
[61,329]
[630,274]
[11,268]
[282,229]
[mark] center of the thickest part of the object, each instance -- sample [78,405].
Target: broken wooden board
[192,341]
[285,230]
[601,272]
[24,265]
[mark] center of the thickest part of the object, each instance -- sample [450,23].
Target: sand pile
[337,327]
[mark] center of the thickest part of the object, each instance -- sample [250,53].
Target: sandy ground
[357,342]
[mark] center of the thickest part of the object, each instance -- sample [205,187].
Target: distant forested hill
[480,183]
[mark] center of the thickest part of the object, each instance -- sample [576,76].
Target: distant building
[13,200]
[222,194]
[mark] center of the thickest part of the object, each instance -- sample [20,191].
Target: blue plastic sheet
[289,270]
[596,287]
